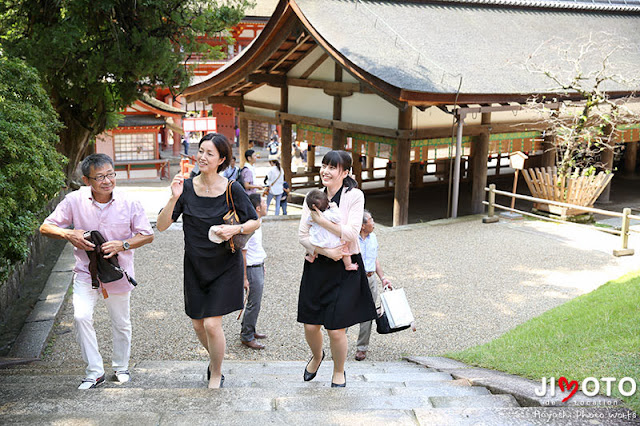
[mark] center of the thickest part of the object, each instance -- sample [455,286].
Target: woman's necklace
[206,187]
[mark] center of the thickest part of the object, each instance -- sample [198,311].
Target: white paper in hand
[213,237]
[396,306]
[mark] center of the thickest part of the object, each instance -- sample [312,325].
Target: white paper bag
[397,308]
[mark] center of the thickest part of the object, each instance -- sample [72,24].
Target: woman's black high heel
[310,376]
[335,385]
[209,376]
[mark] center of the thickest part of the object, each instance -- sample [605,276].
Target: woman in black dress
[213,275]
[331,296]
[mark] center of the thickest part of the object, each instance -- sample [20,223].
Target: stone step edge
[521,388]
[202,364]
[513,414]
[36,331]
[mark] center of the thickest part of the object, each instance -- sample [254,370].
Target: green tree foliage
[30,167]
[97,56]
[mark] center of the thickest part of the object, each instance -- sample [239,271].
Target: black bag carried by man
[383,327]
[101,269]
[396,314]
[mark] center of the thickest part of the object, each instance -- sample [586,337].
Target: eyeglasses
[100,178]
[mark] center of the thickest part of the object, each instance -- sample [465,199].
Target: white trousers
[84,303]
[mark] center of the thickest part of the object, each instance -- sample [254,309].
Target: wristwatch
[126,245]
[241,229]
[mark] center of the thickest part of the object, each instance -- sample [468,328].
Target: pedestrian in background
[274,147]
[185,143]
[213,274]
[254,256]
[232,171]
[285,196]
[369,250]
[249,172]
[122,221]
[274,182]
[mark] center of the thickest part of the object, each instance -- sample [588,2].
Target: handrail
[625,215]
[538,216]
[555,203]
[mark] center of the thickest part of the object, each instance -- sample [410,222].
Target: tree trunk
[75,137]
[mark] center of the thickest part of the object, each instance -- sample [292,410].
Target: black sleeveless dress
[332,296]
[213,275]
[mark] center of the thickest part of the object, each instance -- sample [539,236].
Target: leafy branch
[588,75]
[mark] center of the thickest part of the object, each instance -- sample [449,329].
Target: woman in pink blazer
[331,296]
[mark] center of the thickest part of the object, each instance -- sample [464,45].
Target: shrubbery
[30,167]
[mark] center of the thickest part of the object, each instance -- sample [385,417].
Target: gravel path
[467,283]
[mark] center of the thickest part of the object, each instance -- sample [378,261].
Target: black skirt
[213,288]
[334,297]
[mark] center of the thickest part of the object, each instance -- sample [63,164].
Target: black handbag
[383,327]
[101,269]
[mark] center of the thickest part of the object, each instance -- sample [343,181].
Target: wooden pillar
[311,161]
[177,143]
[606,157]
[311,157]
[244,139]
[548,151]
[417,175]
[285,149]
[371,156]
[479,164]
[630,158]
[285,154]
[387,176]
[356,164]
[403,164]
[337,141]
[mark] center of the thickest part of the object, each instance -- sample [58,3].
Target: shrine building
[418,83]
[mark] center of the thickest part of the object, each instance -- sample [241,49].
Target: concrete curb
[522,389]
[437,222]
[37,329]
[273,218]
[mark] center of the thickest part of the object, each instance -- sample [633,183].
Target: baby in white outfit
[321,237]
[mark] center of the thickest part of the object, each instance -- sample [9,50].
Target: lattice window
[139,146]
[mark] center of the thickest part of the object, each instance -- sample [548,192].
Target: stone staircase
[174,392]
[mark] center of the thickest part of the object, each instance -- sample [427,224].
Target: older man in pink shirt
[125,227]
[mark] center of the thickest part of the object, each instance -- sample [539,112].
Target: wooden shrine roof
[161,107]
[426,52]
[142,120]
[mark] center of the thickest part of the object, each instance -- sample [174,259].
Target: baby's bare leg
[348,265]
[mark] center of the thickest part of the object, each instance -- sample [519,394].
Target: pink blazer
[352,209]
